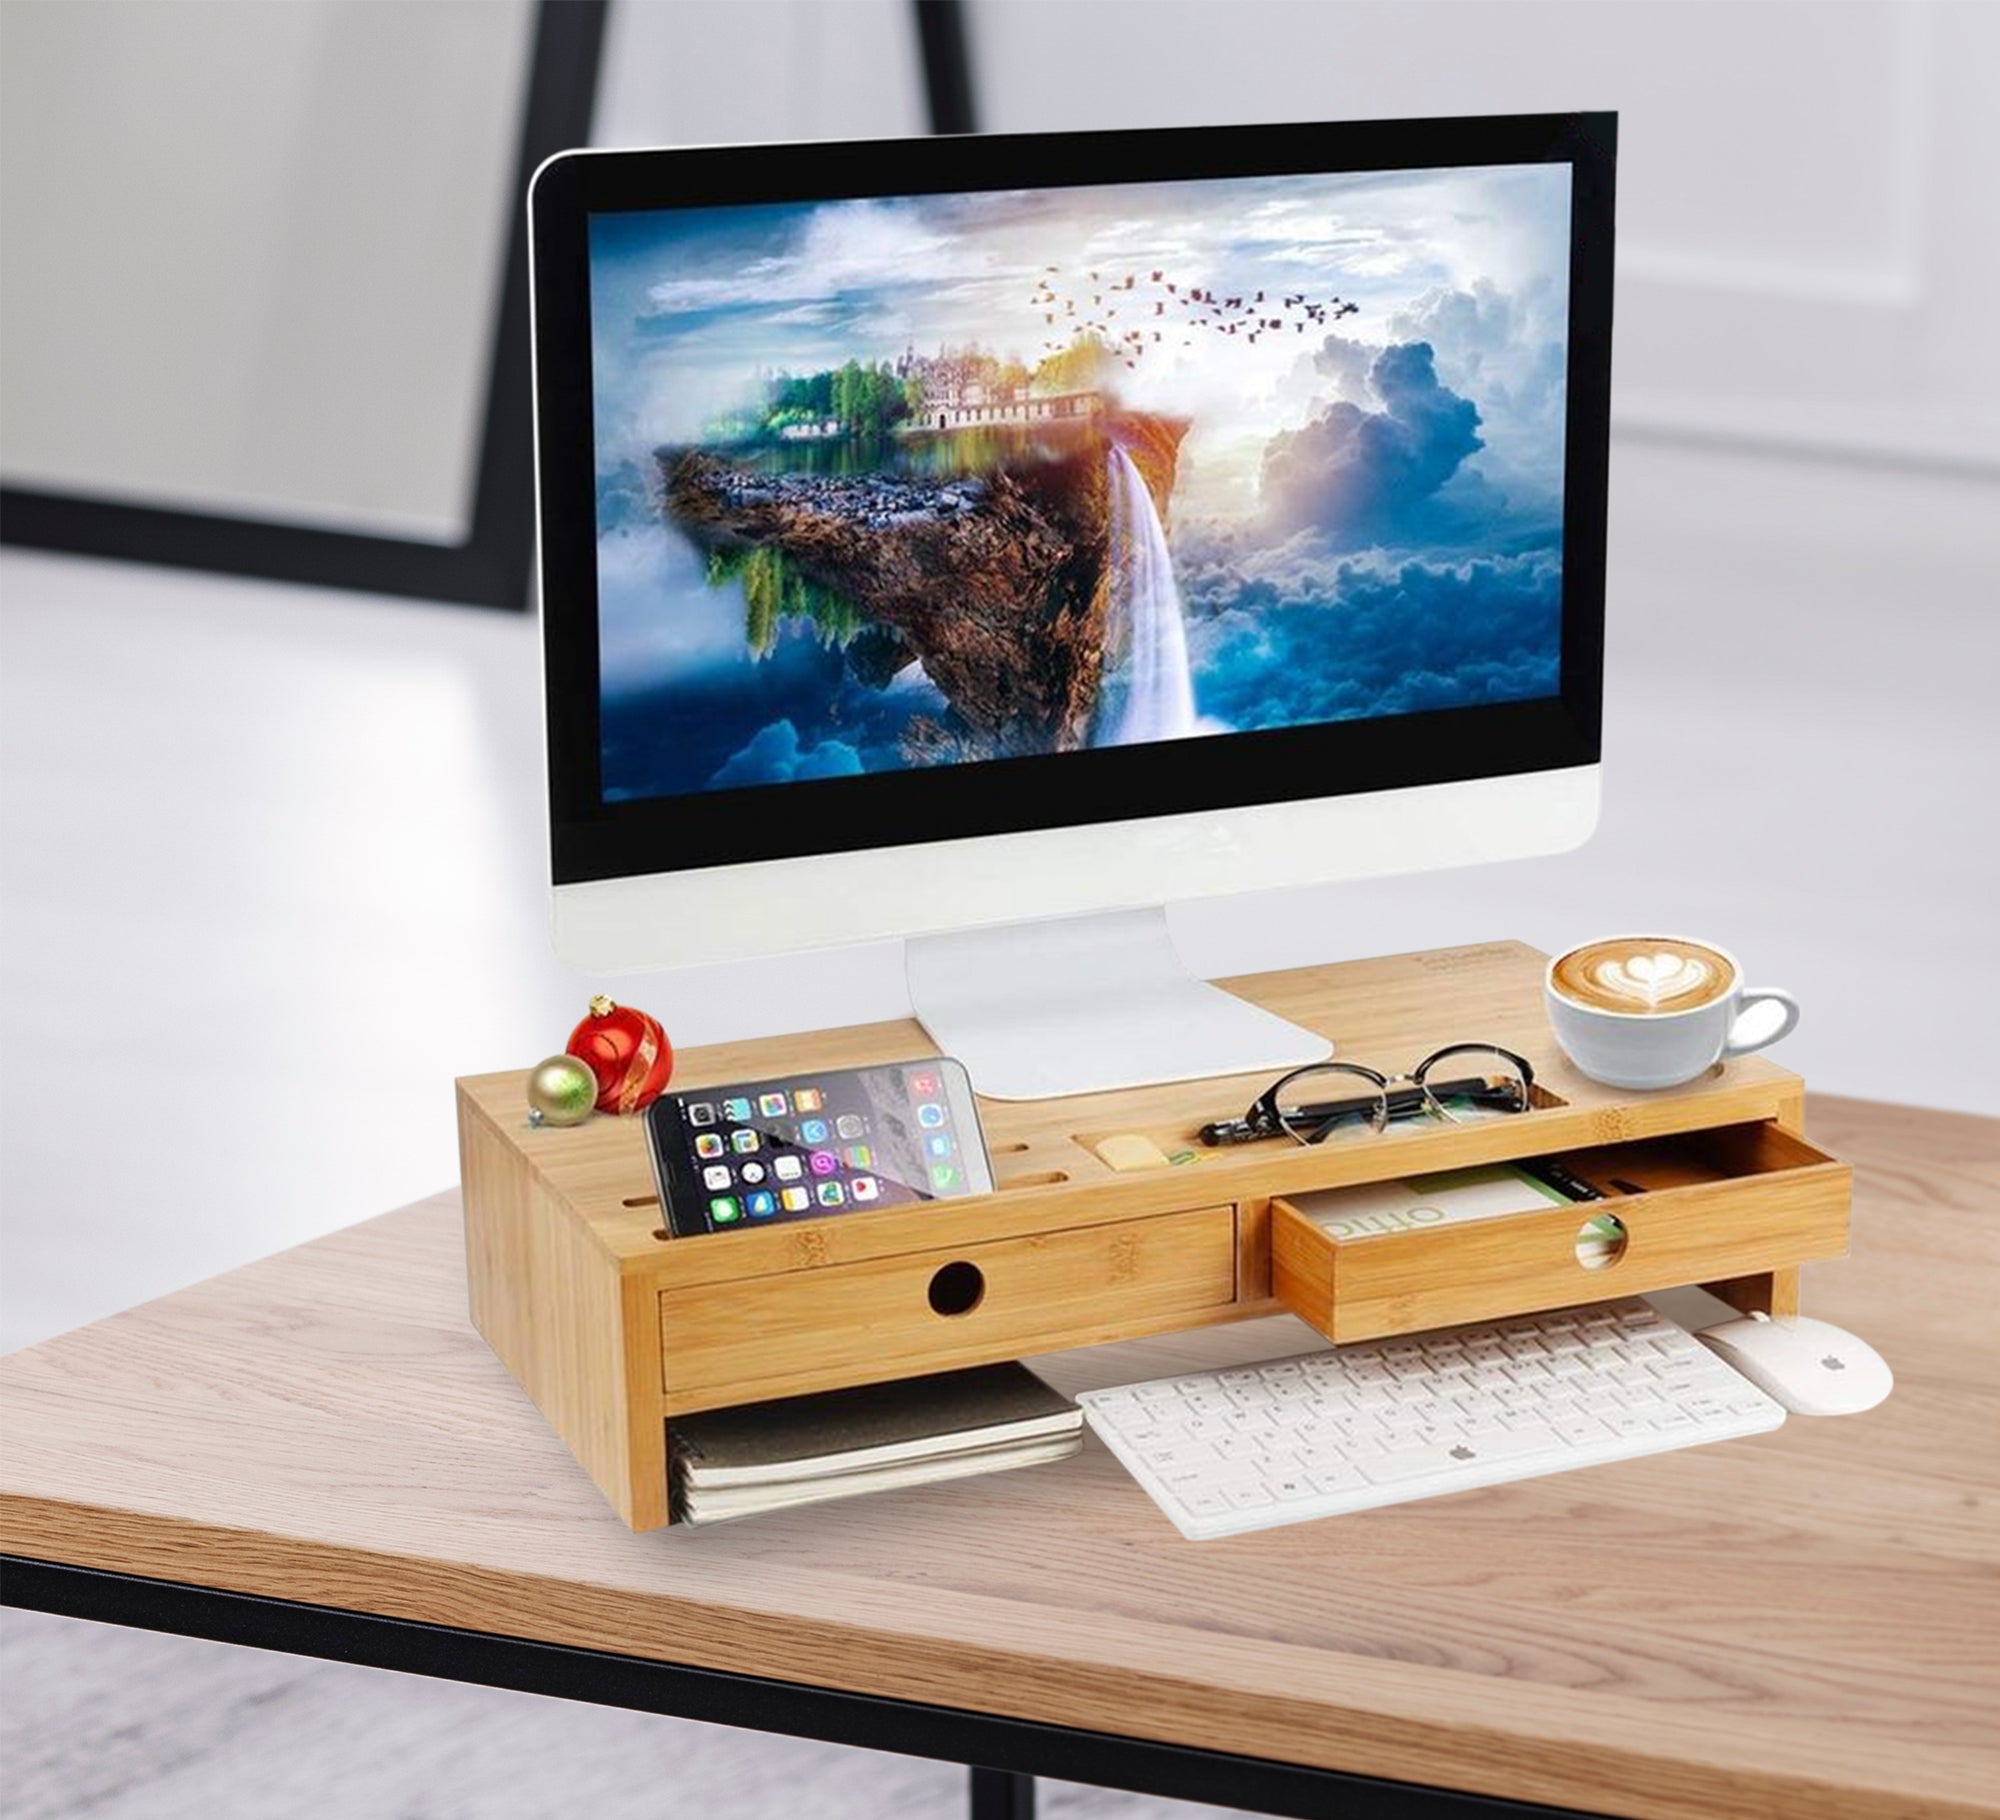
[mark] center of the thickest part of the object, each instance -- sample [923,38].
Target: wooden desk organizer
[614,1330]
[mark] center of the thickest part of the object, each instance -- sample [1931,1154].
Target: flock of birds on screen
[1118,312]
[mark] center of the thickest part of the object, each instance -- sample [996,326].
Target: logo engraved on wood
[1124,1257]
[1456,960]
[809,1247]
[1614,1125]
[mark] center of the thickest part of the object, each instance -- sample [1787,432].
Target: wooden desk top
[1807,1622]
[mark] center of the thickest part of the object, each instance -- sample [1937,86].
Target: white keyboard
[1386,1421]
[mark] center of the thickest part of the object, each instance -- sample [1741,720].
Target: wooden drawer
[894,1317]
[1702,1207]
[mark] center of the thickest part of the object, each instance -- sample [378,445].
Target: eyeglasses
[1310,1104]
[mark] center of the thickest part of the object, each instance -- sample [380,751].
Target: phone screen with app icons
[808,1145]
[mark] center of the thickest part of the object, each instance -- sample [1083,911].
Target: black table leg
[1250,1785]
[1002,1794]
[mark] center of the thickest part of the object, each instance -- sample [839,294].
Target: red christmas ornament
[627,1051]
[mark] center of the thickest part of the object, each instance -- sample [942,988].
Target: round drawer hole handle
[957,1288]
[1601,1241]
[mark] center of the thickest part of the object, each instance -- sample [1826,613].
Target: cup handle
[1752,997]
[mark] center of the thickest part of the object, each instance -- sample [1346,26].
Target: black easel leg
[1002,1794]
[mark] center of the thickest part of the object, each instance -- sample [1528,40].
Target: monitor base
[1087,1004]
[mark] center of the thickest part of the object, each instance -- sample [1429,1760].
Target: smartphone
[802,1146]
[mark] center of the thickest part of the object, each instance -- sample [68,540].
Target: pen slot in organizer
[1181,1146]
[1704,1206]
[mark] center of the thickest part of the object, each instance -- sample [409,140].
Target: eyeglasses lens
[1471,1084]
[1324,1104]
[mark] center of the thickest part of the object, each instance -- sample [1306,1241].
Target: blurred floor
[123,1725]
[273,873]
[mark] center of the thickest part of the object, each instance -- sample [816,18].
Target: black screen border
[591,839]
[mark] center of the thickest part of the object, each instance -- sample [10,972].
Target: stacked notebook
[841,1443]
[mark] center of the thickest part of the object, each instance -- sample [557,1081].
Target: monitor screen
[909,482]
[896,494]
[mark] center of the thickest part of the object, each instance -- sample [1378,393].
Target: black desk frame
[1004,1755]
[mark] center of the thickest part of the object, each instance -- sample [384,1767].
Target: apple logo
[1463,1452]
[1834,1364]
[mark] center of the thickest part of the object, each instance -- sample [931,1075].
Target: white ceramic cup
[1644,1049]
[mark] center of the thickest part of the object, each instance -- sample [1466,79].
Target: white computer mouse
[1812,1367]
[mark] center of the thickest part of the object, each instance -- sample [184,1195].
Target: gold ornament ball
[561,1091]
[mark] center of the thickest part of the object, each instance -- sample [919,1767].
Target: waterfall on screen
[1151,694]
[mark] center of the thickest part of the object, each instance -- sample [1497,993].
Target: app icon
[736,1111]
[848,1125]
[930,1116]
[762,1204]
[795,1200]
[716,1175]
[859,1156]
[808,1099]
[709,1144]
[824,1162]
[864,1187]
[771,1105]
[938,1143]
[812,1131]
[743,1142]
[831,1194]
[724,1211]
[787,1168]
[699,1112]
[924,1086]
[753,1173]
[944,1176]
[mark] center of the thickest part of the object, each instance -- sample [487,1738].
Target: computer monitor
[987,541]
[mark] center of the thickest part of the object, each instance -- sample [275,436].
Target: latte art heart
[1652,979]
[1644,975]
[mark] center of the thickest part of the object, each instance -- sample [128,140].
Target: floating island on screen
[946,479]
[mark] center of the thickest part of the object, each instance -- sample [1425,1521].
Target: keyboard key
[1580,1431]
[1337,1479]
[1413,1463]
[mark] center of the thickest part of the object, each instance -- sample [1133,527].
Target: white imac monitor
[989,541]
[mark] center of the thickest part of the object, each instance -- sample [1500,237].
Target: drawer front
[1793,1209]
[895,1317]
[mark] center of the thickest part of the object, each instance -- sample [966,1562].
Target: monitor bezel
[591,839]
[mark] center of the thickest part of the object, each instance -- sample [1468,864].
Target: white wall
[739,72]
[252,252]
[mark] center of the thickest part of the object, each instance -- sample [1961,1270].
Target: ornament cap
[602,1005]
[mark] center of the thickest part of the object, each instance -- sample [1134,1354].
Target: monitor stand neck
[1086,1004]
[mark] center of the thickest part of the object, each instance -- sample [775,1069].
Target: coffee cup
[1646,1011]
